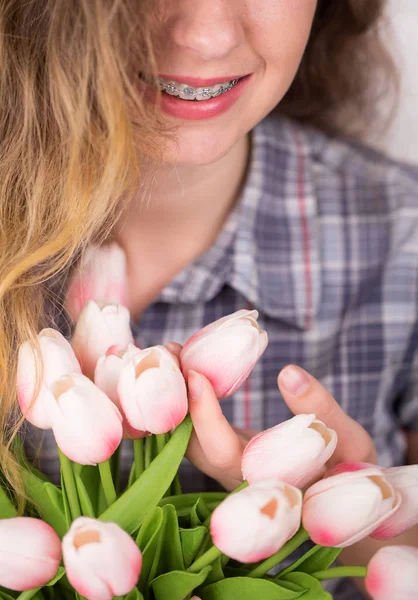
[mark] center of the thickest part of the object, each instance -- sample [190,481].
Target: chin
[205,148]
[200,150]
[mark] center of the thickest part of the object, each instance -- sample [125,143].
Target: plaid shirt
[324,244]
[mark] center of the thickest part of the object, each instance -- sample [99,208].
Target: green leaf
[7,508]
[216,573]
[6,596]
[85,502]
[134,594]
[177,585]
[31,593]
[171,551]
[187,501]
[191,540]
[149,540]
[321,560]
[131,508]
[149,527]
[45,497]
[315,589]
[199,513]
[317,558]
[247,588]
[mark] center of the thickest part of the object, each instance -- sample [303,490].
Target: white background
[401,141]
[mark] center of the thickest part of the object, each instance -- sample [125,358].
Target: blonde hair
[69,154]
[70,149]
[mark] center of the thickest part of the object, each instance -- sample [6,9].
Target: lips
[196,110]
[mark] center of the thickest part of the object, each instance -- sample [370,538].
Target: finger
[245,435]
[219,449]
[174,348]
[304,394]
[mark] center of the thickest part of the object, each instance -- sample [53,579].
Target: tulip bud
[293,451]
[98,329]
[405,481]
[30,553]
[346,507]
[100,276]
[225,351]
[152,391]
[101,560]
[57,358]
[87,426]
[254,523]
[392,573]
[106,377]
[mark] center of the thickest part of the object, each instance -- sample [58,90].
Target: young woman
[147,123]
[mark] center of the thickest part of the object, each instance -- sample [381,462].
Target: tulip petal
[303,443]
[30,553]
[97,329]
[100,276]
[405,481]
[255,522]
[343,509]
[86,424]
[58,359]
[101,559]
[392,573]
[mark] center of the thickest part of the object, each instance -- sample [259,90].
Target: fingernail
[295,380]
[195,385]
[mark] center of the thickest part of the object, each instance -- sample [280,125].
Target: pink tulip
[30,553]
[392,574]
[152,391]
[101,560]
[87,426]
[405,481]
[106,377]
[99,328]
[293,451]
[257,521]
[225,351]
[57,359]
[346,507]
[100,276]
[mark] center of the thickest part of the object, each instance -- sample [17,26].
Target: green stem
[160,442]
[176,486]
[240,487]
[206,559]
[298,539]
[115,460]
[149,441]
[139,456]
[107,482]
[70,485]
[337,572]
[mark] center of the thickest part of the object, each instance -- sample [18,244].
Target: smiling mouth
[184,91]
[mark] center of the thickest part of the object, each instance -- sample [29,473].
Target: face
[237,57]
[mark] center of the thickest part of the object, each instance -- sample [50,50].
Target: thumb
[304,394]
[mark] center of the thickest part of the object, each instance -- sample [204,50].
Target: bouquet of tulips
[93,538]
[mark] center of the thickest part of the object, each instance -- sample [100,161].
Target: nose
[210,28]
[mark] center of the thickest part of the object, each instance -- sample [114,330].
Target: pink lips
[198,110]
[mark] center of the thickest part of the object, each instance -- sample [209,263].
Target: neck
[186,202]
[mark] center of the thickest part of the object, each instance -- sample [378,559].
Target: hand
[216,447]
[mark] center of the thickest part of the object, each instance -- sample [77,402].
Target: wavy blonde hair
[70,150]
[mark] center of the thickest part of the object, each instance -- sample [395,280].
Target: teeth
[188,92]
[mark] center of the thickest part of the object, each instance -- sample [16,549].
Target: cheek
[279,30]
